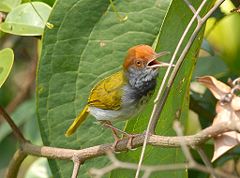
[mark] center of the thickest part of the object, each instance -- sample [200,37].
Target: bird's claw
[114,146]
[130,144]
[130,141]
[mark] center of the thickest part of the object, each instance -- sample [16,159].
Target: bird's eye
[138,63]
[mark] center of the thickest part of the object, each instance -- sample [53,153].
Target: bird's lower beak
[156,64]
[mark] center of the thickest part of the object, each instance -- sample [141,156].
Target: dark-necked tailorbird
[122,95]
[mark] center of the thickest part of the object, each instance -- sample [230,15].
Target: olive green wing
[108,92]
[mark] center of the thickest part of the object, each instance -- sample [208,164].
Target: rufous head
[143,56]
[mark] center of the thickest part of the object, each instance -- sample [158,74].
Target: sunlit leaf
[224,37]
[39,169]
[27,19]
[8,5]
[6,62]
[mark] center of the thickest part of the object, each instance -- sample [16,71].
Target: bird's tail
[77,121]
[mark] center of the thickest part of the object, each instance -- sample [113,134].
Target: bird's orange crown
[143,52]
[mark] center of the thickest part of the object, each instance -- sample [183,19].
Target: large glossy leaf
[28,19]
[6,62]
[87,43]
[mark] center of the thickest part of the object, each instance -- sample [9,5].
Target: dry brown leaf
[226,112]
[228,140]
[224,143]
[217,88]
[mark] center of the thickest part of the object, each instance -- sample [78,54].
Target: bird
[123,94]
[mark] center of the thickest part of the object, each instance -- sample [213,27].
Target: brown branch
[155,140]
[16,132]
[15,164]
[76,166]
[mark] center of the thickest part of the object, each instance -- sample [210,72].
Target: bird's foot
[130,141]
[114,133]
[130,138]
[116,130]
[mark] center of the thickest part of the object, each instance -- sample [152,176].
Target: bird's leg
[114,132]
[109,124]
[116,137]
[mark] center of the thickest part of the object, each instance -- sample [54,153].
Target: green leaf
[8,5]
[88,44]
[6,62]
[224,38]
[28,19]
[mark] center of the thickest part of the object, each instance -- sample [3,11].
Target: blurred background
[219,57]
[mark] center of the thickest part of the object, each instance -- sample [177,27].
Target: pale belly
[114,115]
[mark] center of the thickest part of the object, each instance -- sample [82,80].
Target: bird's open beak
[156,64]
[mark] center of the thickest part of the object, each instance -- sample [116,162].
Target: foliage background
[218,57]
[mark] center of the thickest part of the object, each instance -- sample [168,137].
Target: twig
[192,9]
[17,133]
[148,170]
[206,161]
[187,153]
[15,164]
[185,149]
[76,166]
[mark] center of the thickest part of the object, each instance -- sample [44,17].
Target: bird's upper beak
[153,63]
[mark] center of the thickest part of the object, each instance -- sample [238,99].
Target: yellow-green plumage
[107,94]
